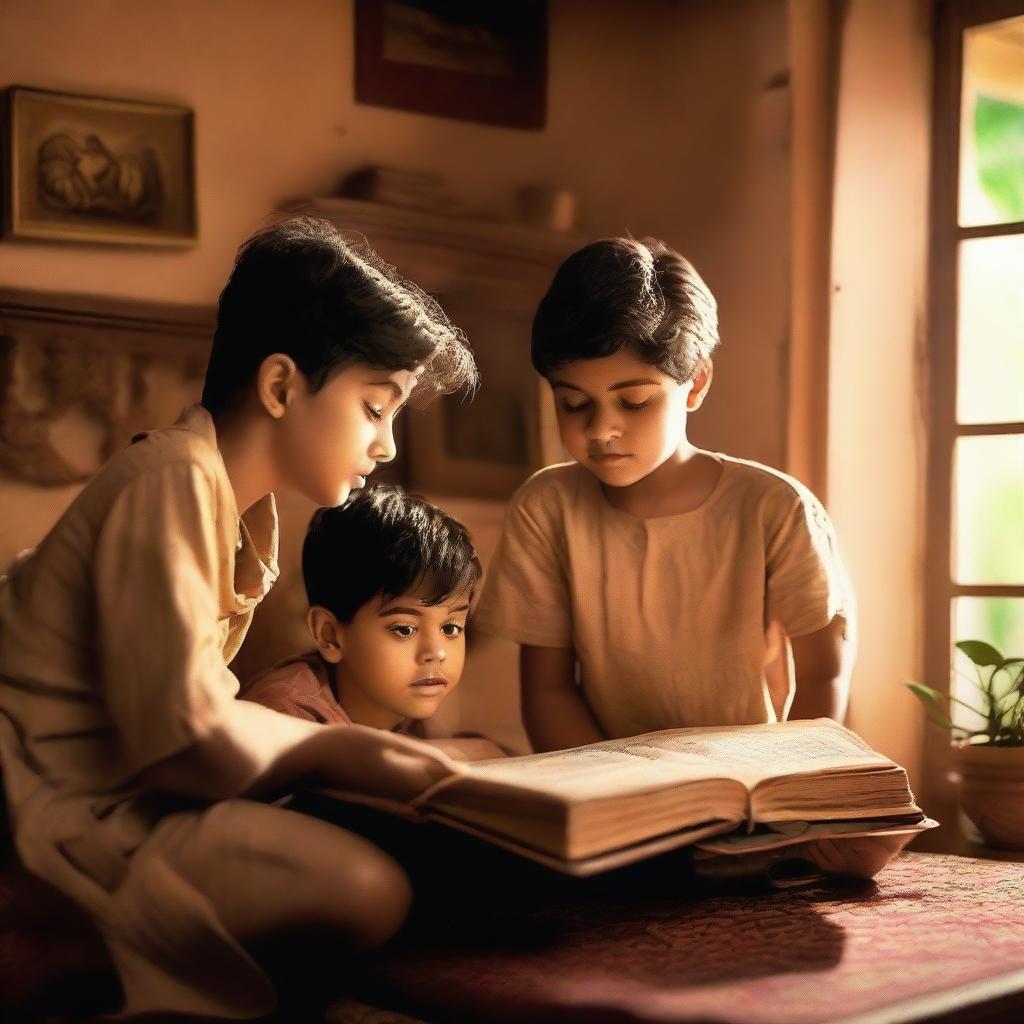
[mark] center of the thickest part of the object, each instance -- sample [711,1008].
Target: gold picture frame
[98,170]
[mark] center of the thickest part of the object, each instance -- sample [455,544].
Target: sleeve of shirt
[285,693]
[157,568]
[526,595]
[807,583]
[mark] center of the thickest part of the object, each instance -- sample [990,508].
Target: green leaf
[939,719]
[981,653]
[925,693]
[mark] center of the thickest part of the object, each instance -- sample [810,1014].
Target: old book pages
[591,800]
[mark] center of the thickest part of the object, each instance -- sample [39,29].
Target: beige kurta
[115,634]
[666,615]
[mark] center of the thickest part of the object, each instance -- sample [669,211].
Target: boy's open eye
[403,630]
[453,628]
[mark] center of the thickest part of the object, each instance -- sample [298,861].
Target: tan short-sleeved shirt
[666,615]
[115,634]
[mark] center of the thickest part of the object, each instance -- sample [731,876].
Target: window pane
[990,342]
[988,528]
[992,124]
[996,620]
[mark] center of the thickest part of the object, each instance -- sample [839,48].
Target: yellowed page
[748,754]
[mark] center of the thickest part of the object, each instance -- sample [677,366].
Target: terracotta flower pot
[992,792]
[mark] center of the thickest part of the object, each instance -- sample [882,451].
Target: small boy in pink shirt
[390,579]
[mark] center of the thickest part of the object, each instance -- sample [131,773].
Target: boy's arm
[554,712]
[255,751]
[823,660]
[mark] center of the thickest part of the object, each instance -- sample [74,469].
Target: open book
[607,804]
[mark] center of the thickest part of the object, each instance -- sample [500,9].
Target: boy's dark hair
[385,542]
[300,288]
[624,293]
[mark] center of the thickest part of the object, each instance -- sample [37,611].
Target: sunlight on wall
[876,441]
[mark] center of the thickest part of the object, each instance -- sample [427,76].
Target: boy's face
[618,416]
[400,658]
[331,440]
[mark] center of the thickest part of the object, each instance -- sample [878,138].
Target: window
[975,550]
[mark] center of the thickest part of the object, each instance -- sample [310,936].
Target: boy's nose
[437,654]
[603,427]
[383,448]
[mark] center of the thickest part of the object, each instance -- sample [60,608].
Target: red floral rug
[933,937]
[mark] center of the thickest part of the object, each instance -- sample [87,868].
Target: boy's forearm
[257,752]
[820,698]
[824,663]
[558,719]
[554,712]
[248,749]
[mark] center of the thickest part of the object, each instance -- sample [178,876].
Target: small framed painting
[464,59]
[86,169]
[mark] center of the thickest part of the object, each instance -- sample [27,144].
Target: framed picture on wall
[87,169]
[464,59]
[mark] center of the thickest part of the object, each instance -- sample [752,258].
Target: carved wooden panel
[79,375]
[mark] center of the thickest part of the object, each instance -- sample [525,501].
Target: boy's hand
[381,764]
[778,674]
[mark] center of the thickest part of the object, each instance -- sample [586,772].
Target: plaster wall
[877,443]
[664,118]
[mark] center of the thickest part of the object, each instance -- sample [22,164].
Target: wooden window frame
[953,18]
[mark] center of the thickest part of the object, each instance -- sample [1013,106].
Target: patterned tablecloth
[933,937]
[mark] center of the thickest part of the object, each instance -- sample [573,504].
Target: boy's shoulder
[770,489]
[552,486]
[191,440]
[178,452]
[763,479]
[298,686]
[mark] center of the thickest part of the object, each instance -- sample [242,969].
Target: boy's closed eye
[386,395]
[631,405]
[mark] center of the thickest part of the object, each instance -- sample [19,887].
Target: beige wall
[876,421]
[665,118]
[659,119]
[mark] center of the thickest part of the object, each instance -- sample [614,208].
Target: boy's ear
[277,383]
[700,385]
[327,632]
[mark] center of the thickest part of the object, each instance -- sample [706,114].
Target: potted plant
[989,760]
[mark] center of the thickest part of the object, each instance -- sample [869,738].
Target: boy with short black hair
[667,574]
[132,773]
[390,579]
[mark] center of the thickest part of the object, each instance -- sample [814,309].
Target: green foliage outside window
[999,149]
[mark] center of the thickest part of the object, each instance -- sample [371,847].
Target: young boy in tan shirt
[132,773]
[666,574]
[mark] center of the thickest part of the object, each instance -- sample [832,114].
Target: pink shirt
[301,687]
